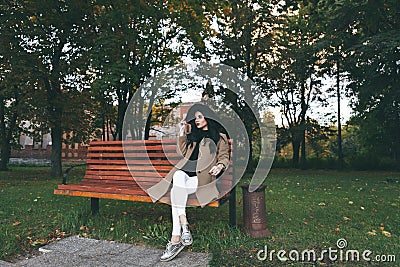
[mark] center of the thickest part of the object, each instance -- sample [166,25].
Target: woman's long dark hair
[214,127]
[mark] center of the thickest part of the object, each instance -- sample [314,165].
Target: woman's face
[200,121]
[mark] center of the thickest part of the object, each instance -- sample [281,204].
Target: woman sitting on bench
[206,154]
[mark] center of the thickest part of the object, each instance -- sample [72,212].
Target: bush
[322,163]
[372,162]
[281,162]
[360,162]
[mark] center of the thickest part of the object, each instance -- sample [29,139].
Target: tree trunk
[56,150]
[6,134]
[55,110]
[104,127]
[302,129]
[107,130]
[56,133]
[5,155]
[4,141]
[303,161]
[120,119]
[340,152]
[296,152]
[147,127]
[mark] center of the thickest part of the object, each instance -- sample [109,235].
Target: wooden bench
[123,170]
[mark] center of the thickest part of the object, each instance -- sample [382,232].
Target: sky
[318,113]
[323,115]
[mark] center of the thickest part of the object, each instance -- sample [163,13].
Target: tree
[14,85]
[336,22]
[137,40]
[296,75]
[54,37]
[11,105]
[317,137]
[244,41]
[371,61]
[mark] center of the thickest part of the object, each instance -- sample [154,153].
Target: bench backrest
[142,162]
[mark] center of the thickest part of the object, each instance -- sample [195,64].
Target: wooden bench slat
[144,182]
[111,189]
[103,195]
[143,148]
[114,177]
[130,182]
[128,142]
[131,155]
[125,197]
[124,167]
[136,175]
[120,184]
[128,162]
[108,190]
[124,174]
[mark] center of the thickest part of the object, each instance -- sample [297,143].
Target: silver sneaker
[171,251]
[186,236]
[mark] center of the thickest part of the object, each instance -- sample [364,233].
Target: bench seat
[123,170]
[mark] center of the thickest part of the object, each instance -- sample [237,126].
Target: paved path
[78,251]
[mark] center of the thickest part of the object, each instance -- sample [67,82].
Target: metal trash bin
[254,212]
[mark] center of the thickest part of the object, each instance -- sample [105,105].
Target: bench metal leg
[232,208]
[94,204]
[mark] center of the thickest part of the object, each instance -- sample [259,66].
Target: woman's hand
[182,130]
[215,170]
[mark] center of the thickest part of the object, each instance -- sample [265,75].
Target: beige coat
[207,188]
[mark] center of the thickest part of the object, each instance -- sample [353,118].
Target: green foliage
[157,233]
[375,85]
[71,62]
[363,37]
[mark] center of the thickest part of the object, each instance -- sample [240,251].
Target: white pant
[183,185]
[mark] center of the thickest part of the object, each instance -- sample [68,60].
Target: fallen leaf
[382,228]
[337,230]
[16,223]
[386,233]
[346,218]
[372,233]
[38,242]
[160,218]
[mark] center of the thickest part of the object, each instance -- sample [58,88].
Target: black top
[190,167]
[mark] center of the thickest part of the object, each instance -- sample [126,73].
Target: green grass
[305,210]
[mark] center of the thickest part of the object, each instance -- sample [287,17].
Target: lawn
[306,210]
